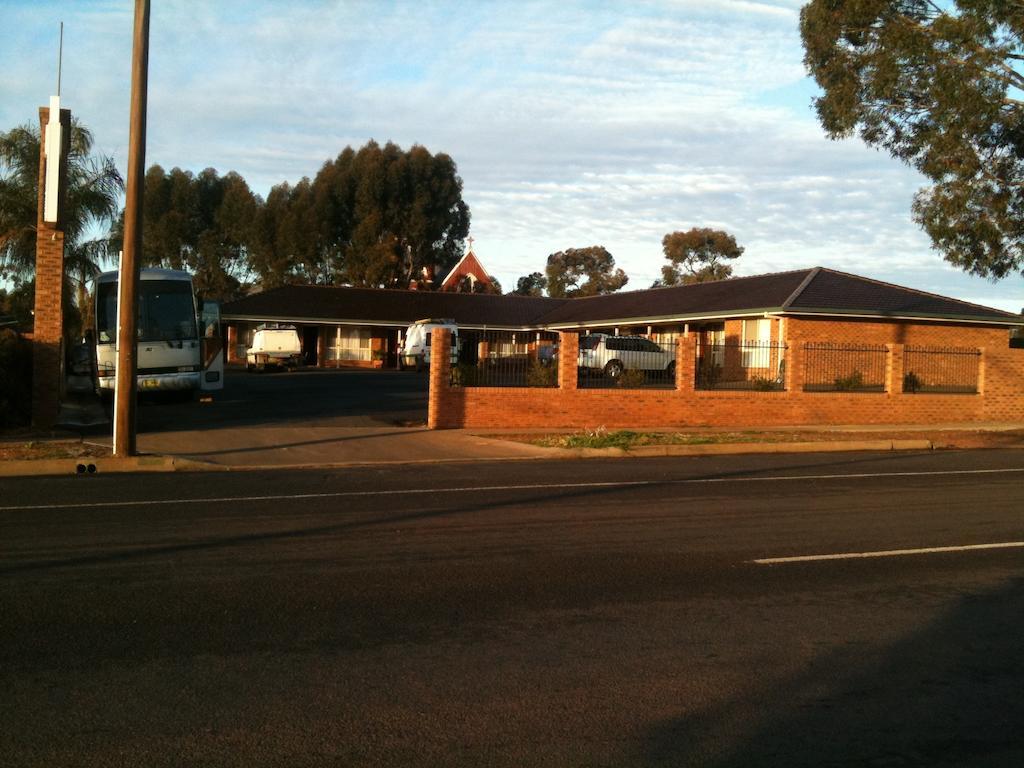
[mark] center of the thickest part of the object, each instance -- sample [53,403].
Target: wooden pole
[124,394]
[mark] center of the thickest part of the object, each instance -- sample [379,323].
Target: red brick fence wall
[1000,395]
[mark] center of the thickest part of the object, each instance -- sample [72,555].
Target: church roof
[468,265]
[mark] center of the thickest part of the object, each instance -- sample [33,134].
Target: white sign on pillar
[53,148]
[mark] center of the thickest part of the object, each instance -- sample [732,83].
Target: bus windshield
[166,311]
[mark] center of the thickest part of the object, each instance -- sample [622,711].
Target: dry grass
[601,438]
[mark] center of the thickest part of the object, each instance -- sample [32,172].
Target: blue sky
[572,123]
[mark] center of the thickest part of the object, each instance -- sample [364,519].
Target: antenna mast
[60,56]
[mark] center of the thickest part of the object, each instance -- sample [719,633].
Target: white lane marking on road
[328,495]
[887,553]
[527,487]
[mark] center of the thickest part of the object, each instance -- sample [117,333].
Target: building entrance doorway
[310,337]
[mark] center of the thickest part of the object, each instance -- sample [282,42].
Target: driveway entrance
[314,398]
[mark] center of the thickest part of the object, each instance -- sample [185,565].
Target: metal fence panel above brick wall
[947,370]
[832,367]
[506,359]
[749,365]
[625,362]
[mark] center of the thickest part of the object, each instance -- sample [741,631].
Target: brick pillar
[48,330]
[440,375]
[568,355]
[894,369]
[686,363]
[981,371]
[794,366]
[376,351]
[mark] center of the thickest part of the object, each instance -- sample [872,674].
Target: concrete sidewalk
[280,446]
[283,446]
[275,447]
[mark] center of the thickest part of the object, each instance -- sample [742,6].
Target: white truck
[274,346]
[415,351]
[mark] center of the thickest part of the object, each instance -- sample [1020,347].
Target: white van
[274,345]
[415,351]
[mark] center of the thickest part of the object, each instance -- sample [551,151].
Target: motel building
[750,350]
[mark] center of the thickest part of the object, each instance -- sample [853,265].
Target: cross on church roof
[470,240]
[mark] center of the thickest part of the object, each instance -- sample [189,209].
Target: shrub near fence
[946,370]
[750,365]
[832,367]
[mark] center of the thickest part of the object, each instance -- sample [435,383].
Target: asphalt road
[598,613]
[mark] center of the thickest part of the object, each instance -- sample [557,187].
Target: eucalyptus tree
[586,271]
[940,86]
[698,255]
[389,215]
[532,284]
[203,223]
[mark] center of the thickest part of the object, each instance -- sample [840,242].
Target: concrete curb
[725,449]
[720,449]
[114,465]
[95,465]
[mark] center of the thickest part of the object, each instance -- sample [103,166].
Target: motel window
[715,335]
[348,343]
[757,335]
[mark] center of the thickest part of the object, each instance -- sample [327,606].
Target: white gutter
[657,320]
[918,318]
[781,313]
[307,320]
[380,323]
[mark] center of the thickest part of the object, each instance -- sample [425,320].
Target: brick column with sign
[48,330]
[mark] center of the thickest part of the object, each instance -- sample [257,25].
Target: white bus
[179,345]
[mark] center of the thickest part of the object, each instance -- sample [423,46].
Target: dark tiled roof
[839,292]
[740,294]
[808,290]
[374,305]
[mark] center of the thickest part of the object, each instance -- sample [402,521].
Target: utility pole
[128,279]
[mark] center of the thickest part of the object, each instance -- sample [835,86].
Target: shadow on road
[325,442]
[948,695]
[469,503]
[360,522]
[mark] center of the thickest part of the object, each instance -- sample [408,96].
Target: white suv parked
[615,354]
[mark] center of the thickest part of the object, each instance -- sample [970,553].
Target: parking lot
[317,397]
[311,417]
